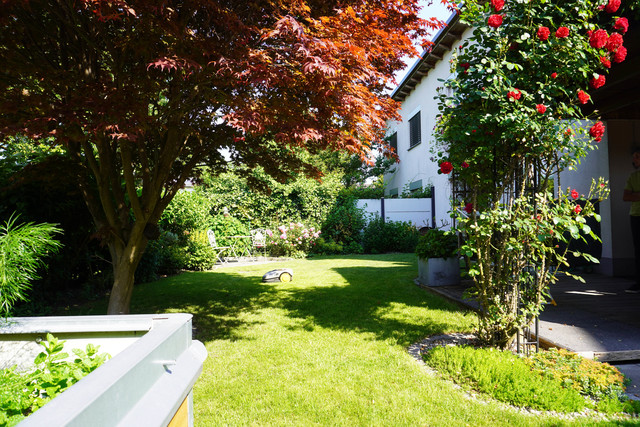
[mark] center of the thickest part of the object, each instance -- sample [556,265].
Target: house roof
[442,43]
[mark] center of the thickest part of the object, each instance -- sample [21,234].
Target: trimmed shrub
[200,256]
[382,236]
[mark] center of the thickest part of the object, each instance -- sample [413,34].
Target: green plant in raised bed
[24,392]
[436,243]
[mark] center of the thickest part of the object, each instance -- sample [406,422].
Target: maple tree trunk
[125,261]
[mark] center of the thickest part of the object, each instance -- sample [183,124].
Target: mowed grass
[328,348]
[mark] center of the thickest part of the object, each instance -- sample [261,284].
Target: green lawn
[328,348]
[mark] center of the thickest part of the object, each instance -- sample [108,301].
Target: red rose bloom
[598,81]
[568,132]
[543,33]
[577,209]
[614,42]
[446,167]
[562,32]
[468,208]
[574,194]
[541,108]
[495,21]
[596,131]
[605,61]
[554,75]
[621,24]
[464,165]
[583,97]
[598,39]
[612,6]
[497,5]
[514,95]
[620,55]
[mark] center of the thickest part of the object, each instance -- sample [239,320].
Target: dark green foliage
[436,243]
[24,392]
[505,377]
[323,247]
[344,223]
[23,248]
[382,236]
[164,256]
[40,187]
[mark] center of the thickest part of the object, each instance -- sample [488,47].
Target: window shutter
[414,130]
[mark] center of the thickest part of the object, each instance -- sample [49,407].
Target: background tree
[141,92]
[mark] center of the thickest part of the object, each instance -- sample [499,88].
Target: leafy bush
[294,240]
[436,243]
[188,211]
[323,247]
[22,250]
[225,226]
[505,377]
[382,236]
[24,392]
[162,256]
[345,222]
[200,255]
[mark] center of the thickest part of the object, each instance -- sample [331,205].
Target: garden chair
[220,250]
[258,241]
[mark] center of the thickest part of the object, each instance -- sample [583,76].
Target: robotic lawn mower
[279,275]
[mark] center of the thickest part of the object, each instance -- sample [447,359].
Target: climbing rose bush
[511,115]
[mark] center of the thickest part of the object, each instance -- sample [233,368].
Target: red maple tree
[140,92]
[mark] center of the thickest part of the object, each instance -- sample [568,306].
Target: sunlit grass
[328,348]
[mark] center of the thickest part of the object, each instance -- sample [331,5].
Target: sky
[435,9]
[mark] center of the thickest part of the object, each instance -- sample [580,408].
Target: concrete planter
[439,271]
[148,381]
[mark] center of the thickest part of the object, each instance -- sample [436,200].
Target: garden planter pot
[439,271]
[148,381]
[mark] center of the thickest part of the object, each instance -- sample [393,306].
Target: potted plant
[438,263]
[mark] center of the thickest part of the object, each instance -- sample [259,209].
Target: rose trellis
[511,121]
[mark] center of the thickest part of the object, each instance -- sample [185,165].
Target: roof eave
[443,42]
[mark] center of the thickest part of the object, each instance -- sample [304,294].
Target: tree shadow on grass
[217,301]
[376,300]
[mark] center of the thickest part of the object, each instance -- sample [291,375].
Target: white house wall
[416,163]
